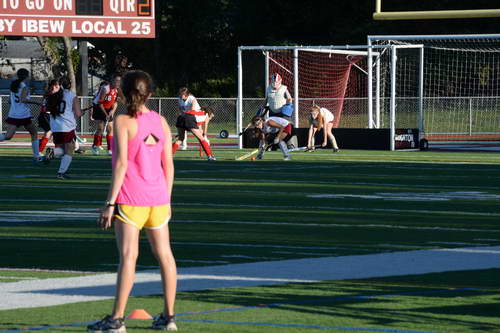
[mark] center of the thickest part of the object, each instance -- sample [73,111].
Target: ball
[253,158]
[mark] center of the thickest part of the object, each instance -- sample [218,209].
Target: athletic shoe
[336,150]
[110,152]
[100,148]
[63,176]
[95,150]
[38,160]
[164,323]
[310,150]
[260,155]
[287,158]
[211,158]
[108,325]
[184,147]
[80,151]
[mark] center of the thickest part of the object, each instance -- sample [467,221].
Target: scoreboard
[78,18]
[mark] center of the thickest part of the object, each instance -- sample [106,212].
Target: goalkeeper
[278,99]
[274,130]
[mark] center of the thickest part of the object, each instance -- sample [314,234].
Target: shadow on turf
[343,299]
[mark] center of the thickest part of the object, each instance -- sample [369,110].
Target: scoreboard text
[78,18]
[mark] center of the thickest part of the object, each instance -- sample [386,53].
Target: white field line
[412,196]
[56,291]
[91,213]
[259,169]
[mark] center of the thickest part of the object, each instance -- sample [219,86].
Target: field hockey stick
[247,155]
[106,126]
[241,133]
[80,139]
[301,148]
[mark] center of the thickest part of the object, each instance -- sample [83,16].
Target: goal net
[461,92]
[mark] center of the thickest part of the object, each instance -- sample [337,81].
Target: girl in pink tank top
[139,197]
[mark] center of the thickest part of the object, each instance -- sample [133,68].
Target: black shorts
[18,122]
[98,114]
[186,121]
[44,121]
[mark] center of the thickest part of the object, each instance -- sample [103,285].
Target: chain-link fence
[462,115]
[224,119]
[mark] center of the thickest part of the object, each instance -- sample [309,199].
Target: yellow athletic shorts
[153,217]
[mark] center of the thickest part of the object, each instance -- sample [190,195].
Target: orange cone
[139,314]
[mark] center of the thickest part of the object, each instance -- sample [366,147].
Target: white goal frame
[363,50]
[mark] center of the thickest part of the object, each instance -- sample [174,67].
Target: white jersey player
[19,112]
[272,130]
[321,119]
[64,107]
[187,102]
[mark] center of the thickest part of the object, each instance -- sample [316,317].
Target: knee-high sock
[109,141]
[175,146]
[284,148]
[65,162]
[34,147]
[58,152]
[185,141]
[333,141]
[206,147]
[97,141]
[43,143]
[77,145]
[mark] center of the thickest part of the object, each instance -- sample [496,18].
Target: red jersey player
[103,110]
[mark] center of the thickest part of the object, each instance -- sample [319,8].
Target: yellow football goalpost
[434,14]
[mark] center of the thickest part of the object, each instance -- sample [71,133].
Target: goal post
[457,81]
[334,77]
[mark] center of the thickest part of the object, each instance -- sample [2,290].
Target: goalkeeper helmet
[276,80]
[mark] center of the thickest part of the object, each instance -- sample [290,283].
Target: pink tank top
[145,183]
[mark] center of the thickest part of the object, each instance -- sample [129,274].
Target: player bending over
[104,108]
[321,119]
[63,106]
[20,114]
[272,130]
[189,121]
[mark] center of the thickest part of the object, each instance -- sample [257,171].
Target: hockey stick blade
[247,155]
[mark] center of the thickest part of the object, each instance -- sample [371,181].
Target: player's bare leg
[127,241]
[109,137]
[160,246]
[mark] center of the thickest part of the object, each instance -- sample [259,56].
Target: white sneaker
[100,148]
[184,147]
[95,151]
[110,152]
[287,158]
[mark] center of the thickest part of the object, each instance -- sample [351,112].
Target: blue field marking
[47,327]
[272,305]
[320,327]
